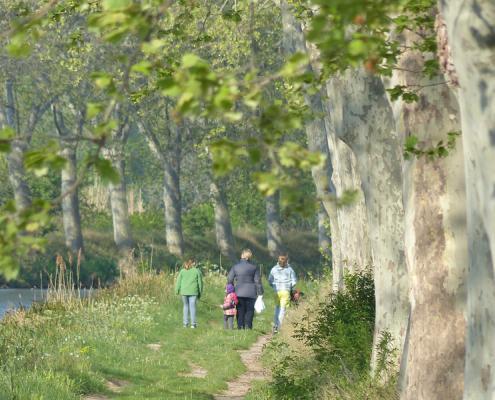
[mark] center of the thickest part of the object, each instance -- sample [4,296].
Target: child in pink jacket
[229,306]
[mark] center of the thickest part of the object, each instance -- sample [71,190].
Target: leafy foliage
[20,233]
[337,340]
[215,63]
[341,334]
[440,150]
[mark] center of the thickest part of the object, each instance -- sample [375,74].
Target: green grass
[63,351]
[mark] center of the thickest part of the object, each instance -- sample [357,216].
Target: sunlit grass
[63,350]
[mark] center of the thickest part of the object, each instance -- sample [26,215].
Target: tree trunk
[354,244]
[324,240]
[368,128]
[173,213]
[15,158]
[167,148]
[471,33]
[118,198]
[70,203]
[435,240]
[223,228]
[273,228]
[348,225]
[118,202]
[17,174]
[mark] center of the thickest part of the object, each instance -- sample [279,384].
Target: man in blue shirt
[282,279]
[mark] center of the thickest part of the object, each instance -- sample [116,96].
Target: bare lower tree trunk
[17,174]
[354,243]
[15,158]
[118,202]
[369,130]
[273,228]
[173,212]
[118,199]
[70,202]
[471,33]
[435,239]
[223,228]
[167,148]
[324,240]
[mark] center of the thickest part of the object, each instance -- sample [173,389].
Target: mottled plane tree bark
[115,152]
[223,227]
[471,34]
[368,128]
[337,176]
[435,235]
[70,201]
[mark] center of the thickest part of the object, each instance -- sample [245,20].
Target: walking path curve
[239,387]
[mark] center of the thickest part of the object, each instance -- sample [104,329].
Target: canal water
[14,298]
[11,299]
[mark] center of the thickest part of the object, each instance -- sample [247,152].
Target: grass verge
[66,350]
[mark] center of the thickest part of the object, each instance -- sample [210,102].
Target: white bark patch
[436,251]
[368,128]
[471,32]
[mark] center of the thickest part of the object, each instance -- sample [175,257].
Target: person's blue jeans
[189,309]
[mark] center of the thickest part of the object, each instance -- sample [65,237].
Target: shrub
[199,219]
[342,334]
[97,271]
[328,354]
[149,221]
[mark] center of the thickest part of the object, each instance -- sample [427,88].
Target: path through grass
[65,351]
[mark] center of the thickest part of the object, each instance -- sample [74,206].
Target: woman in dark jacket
[247,279]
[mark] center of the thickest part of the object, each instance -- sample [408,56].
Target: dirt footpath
[239,387]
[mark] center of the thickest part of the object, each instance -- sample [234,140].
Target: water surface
[11,299]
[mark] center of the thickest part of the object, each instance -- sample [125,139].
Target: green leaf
[102,79]
[93,109]
[18,46]
[113,5]
[40,161]
[106,171]
[411,142]
[144,67]
[153,46]
[190,60]
[7,133]
[357,47]
[232,15]
[4,146]
[105,129]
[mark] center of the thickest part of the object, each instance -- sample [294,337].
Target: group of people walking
[242,290]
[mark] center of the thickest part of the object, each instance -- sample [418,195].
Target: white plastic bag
[259,305]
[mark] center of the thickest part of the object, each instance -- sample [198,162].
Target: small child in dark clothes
[229,306]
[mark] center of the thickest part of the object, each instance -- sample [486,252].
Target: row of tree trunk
[166,147]
[426,226]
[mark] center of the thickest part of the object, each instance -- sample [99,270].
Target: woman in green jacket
[190,286]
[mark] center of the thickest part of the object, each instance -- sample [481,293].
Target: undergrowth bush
[326,352]
[198,220]
[342,333]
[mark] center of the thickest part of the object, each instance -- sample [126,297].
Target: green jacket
[189,282]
